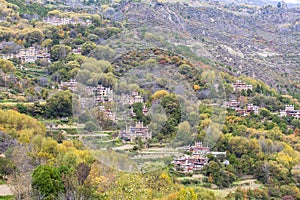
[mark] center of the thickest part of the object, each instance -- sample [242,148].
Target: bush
[90,126]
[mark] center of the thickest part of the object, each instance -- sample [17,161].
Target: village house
[108,113]
[90,97]
[233,104]
[239,86]
[57,21]
[133,132]
[190,164]
[198,149]
[249,109]
[131,99]
[136,98]
[290,111]
[32,54]
[196,161]
[70,85]
[103,94]
[7,56]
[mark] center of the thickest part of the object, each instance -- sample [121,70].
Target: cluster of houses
[30,55]
[196,161]
[133,132]
[239,86]
[101,94]
[70,85]
[290,111]
[139,130]
[144,111]
[58,21]
[135,97]
[236,105]
[250,108]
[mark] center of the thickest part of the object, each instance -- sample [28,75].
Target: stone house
[132,132]
[239,86]
[290,111]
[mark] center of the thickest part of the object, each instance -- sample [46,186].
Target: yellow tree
[159,94]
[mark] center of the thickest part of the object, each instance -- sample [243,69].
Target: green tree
[90,126]
[138,110]
[59,52]
[47,43]
[264,112]
[59,105]
[172,106]
[296,123]
[103,53]
[183,136]
[239,146]
[6,66]
[6,166]
[87,47]
[186,70]
[47,182]
[35,36]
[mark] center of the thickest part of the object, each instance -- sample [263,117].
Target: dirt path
[5,190]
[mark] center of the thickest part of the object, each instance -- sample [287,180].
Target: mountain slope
[260,42]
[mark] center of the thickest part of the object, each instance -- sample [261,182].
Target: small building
[132,132]
[233,104]
[32,54]
[136,98]
[290,111]
[58,21]
[252,108]
[197,149]
[190,164]
[196,161]
[126,99]
[70,85]
[239,86]
[103,94]
[249,109]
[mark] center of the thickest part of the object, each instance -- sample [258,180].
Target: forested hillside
[148,100]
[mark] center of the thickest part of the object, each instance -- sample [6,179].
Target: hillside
[161,100]
[253,41]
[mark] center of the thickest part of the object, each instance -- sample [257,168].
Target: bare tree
[20,180]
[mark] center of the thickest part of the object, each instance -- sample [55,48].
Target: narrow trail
[5,190]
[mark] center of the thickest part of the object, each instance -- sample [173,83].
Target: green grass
[2,182]
[11,103]
[8,197]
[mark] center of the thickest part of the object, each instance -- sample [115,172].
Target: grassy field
[7,103]
[8,197]
[222,193]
